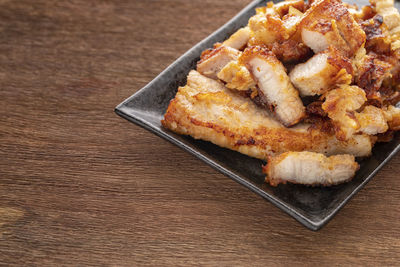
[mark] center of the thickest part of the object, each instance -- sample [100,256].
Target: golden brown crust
[331,17]
[282,8]
[309,168]
[290,50]
[339,61]
[234,122]
[377,35]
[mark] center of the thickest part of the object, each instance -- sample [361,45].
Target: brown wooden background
[79,185]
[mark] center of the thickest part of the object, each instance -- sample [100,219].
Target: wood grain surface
[81,186]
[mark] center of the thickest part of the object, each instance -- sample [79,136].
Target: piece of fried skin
[274,83]
[282,8]
[321,72]
[377,35]
[236,76]
[359,15]
[276,24]
[388,11]
[310,168]
[372,120]
[213,60]
[239,39]
[328,22]
[205,109]
[267,28]
[291,20]
[392,116]
[391,18]
[289,51]
[371,73]
[340,104]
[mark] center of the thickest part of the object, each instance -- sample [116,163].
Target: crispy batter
[310,168]
[205,109]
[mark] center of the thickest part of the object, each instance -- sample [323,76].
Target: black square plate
[313,207]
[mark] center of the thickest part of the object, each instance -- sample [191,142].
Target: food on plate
[329,23]
[310,168]
[306,87]
[322,71]
[239,39]
[212,61]
[205,109]
[274,84]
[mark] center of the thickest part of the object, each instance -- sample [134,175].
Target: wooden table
[79,185]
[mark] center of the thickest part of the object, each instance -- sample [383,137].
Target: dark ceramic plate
[313,207]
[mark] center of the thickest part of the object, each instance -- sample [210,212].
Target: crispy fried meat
[206,109]
[328,22]
[310,168]
[340,105]
[321,72]
[213,60]
[272,80]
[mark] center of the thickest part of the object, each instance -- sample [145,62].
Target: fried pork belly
[236,76]
[289,50]
[340,105]
[283,8]
[239,39]
[310,169]
[388,11]
[212,61]
[372,120]
[371,73]
[273,82]
[377,35]
[328,22]
[391,18]
[277,23]
[321,72]
[276,28]
[266,29]
[207,110]
[392,115]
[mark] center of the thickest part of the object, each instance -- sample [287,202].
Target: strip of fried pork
[321,72]
[391,18]
[205,109]
[274,84]
[392,115]
[275,28]
[340,105]
[213,60]
[328,22]
[310,169]
[372,120]
[239,39]
[236,76]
